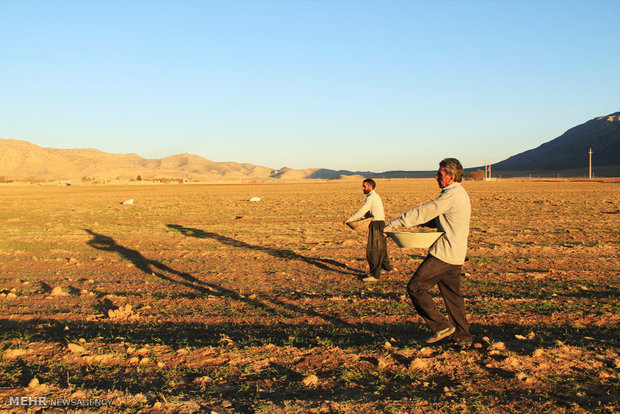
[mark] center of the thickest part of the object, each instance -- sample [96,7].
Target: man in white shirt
[450,213]
[376,248]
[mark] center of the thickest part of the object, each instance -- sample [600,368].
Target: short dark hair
[453,167]
[371,182]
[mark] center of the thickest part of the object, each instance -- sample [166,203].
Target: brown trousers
[376,249]
[431,272]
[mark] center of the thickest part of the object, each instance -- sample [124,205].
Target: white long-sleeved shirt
[451,211]
[372,207]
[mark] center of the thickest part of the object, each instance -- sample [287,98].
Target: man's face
[367,188]
[443,178]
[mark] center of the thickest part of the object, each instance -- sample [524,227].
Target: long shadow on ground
[302,335]
[154,267]
[286,254]
[148,266]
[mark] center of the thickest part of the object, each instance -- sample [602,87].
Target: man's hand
[387,230]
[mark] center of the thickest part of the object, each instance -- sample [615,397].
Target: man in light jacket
[376,248]
[449,213]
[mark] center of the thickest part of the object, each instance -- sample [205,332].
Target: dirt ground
[194,299]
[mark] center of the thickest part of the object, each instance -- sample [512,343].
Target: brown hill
[198,166]
[569,151]
[21,159]
[287,173]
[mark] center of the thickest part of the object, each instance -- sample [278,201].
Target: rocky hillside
[569,152]
[21,160]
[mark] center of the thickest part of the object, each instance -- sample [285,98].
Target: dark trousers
[376,249]
[431,272]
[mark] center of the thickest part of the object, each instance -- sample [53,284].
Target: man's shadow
[148,266]
[285,254]
[153,267]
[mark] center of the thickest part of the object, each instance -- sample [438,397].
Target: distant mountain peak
[615,117]
[569,152]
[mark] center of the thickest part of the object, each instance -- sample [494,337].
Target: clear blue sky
[358,85]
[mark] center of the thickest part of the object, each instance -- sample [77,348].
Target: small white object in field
[255,199]
[127,202]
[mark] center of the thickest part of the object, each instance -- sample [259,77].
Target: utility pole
[487,170]
[590,170]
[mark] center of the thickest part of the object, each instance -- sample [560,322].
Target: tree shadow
[153,267]
[285,254]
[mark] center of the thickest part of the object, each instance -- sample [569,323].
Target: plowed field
[194,299]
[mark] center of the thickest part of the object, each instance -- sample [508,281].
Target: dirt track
[238,306]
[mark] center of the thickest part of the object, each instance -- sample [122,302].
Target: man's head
[450,171]
[368,185]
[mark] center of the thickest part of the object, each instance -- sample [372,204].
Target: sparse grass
[237,312]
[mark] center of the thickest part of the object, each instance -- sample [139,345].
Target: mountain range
[566,155]
[22,160]
[569,153]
